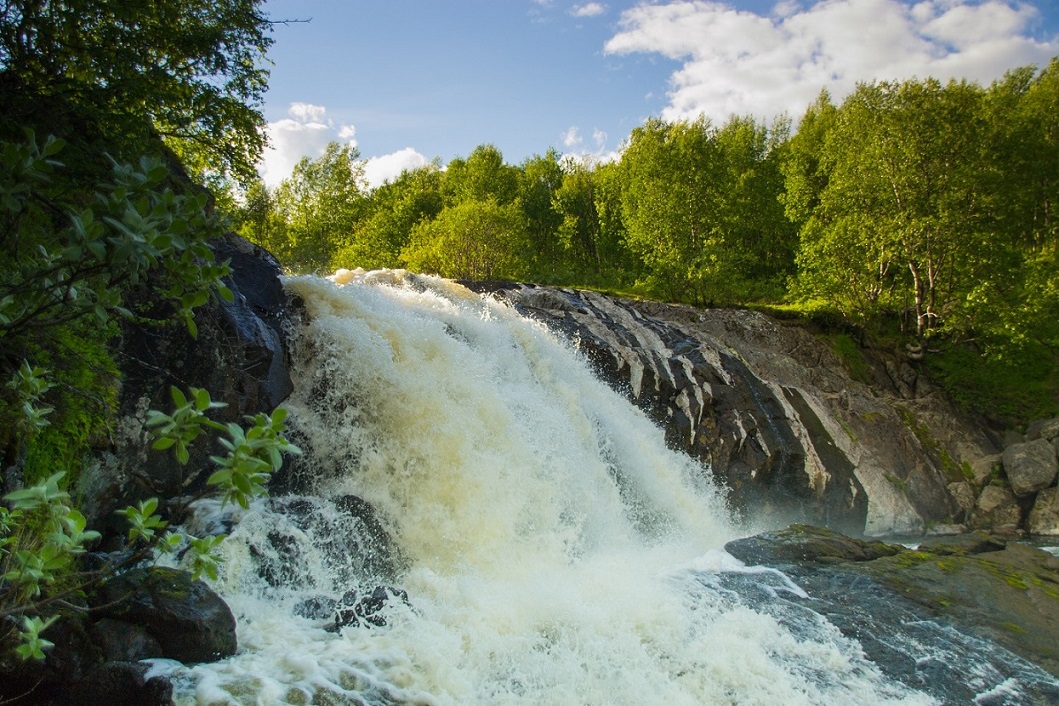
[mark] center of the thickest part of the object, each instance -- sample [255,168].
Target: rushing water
[553,550]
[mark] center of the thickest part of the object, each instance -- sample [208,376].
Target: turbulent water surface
[553,550]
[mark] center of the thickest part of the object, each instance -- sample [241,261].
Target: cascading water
[552,549]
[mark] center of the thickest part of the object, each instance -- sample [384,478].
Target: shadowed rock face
[771,409]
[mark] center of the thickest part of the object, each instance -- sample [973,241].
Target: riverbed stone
[997,506]
[983,468]
[1044,517]
[1030,466]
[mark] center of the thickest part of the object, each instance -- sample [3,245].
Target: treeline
[924,203]
[919,212]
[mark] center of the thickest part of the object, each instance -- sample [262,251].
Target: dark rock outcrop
[239,356]
[774,411]
[166,609]
[958,617]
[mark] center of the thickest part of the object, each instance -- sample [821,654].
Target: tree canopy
[191,71]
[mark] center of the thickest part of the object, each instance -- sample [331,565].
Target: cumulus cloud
[305,132]
[589,9]
[578,151]
[378,170]
[740,62]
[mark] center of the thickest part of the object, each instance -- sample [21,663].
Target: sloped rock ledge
[774,412]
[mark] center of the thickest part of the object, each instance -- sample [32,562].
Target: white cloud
[578,153]
[738,62]
[589,9]
[304,133]
[572,137]
[378,170]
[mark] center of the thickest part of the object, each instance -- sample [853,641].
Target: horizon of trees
[925,203]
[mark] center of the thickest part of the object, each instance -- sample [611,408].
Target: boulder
[957,618]
[1046,429]
[806,544]
[1030,466]
[998,507]
[121,684]
[1044,517]
[183,616]
[965,497]
[983,468]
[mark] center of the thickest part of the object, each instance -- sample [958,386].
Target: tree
[483,176]
[540,176]
[478,240]
[320,205]
[188,70]
[395,209]
[903,223]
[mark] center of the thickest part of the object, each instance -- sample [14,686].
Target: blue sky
[408,81]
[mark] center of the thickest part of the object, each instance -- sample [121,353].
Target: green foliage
[316,209]
[189,71]
[84,396]
[478,240]
[1019,386]
[242,474]
[63,262]
[848,350]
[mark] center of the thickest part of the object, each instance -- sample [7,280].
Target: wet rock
[366,611]
[121,641]
[189,622]
[1030,466]
[1044,517]
[239,356]
[997,506]
[806,544]
[316,607]
[773,410]
[991,602]
[121,684]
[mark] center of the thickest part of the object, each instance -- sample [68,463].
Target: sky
[412,81]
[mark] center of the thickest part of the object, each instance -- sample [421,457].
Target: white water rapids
[553,550]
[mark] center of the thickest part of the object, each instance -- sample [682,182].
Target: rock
[124,642]
[1050,429]
[965,497]
[988,605]
[187,619]
[1046,429]
[121,684]
[997,506]
[367,610]
[1030,466]
[1044,517]
[806,544]
[983,468]
[239,356]
[972,543]
[772,410]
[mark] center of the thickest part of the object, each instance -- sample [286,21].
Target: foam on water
[554,551]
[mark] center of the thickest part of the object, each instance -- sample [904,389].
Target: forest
[914,214]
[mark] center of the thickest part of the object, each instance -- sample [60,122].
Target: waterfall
[551,548]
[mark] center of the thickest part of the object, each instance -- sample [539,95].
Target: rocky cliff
[777,414]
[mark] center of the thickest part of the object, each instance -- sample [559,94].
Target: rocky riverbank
[945,617]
